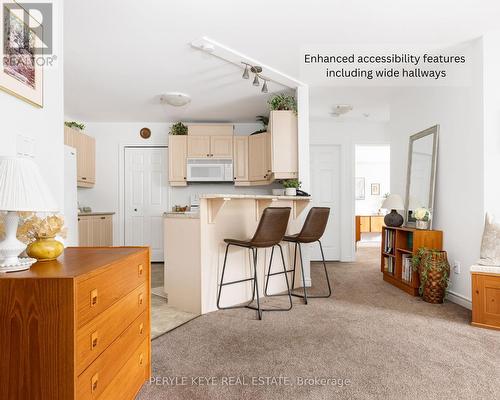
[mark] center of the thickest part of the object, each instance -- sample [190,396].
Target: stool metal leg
[222,283]
[256,286]
[284,272]
[306,296]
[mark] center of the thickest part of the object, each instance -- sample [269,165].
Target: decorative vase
[45,249]
[393,219]
[422,224]
[291,192]
[434,288]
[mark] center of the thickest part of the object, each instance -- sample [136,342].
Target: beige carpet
[378,342]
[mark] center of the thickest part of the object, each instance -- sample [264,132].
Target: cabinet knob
[184,178]
[94,339]
[208,155]
[93,298]
[140,269]
[103,217]
[141,328]
[141,299]
[141,359]
[84,178]
[94,382]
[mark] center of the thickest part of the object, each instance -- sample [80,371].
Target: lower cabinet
[95,230]
[486,300]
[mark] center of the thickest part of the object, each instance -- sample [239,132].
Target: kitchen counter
[94,213]
[182,214]
[194,249]
[254,196]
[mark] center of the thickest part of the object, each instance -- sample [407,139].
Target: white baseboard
[459,299]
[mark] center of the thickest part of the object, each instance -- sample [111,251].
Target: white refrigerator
[70,197]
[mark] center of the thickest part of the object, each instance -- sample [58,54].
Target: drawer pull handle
[94,382]
[141,328]
[93,298]
[141,359]
[141,299]
[94,339]
[140,268]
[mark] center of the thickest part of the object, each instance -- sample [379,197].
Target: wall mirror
[421,175]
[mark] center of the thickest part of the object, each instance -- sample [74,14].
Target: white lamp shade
[22,187]
[393,202]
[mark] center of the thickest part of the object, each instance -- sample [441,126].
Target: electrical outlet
[456,267]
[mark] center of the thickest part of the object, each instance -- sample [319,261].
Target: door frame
[341,205]
[353,182]
[121,184]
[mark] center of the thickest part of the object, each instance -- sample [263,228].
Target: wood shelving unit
[405,241]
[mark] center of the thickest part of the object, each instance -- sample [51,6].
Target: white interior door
[146,197]
[325,189]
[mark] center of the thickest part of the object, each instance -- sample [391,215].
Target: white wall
[374,164]
[44,125]
[347,135]
[458,208]
[110,139]
[491,78]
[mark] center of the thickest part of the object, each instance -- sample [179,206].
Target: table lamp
[393,202]
[22,188]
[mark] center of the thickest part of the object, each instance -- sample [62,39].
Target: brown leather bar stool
[312,231]
[269,233]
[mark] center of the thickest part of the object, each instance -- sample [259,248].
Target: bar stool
[269,233]
[312,231]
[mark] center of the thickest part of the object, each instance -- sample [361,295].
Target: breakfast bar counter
[194,249]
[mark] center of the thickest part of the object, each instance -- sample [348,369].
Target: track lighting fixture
[264,87]
[256,70]
[245,73]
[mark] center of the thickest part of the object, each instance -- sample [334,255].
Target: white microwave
[203,170]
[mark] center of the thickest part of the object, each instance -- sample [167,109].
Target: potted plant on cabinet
[291,186]
[283,102]
[178,129]
[423,217]
[434,272]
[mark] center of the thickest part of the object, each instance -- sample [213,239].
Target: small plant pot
[291,192]
[422,224]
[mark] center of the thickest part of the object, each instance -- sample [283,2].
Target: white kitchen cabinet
[240,159]
[283,144]
[258,158]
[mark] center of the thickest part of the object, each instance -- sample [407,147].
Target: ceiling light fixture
[175,99]
[264,87]
[246,75]
[256,70]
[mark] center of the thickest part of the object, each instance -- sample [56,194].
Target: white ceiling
[120,56]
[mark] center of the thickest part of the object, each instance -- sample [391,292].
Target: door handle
[135,209]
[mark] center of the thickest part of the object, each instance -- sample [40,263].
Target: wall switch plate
[25,146]
[456,267]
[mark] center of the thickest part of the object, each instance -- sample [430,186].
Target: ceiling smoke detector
[341,109]
[175,99]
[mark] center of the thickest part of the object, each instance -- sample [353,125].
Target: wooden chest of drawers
[486,300]
[78,327]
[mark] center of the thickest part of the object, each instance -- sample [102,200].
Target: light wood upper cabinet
[258,157]
[177,153]
[221,146]
[85,155]
[210,146]
[210,130]
[284,144]
[240,160]
[198,146]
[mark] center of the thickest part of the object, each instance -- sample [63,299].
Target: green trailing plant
[75,125]
[283,102]
[264,121]
[291,183]
[421,262]
[178,129]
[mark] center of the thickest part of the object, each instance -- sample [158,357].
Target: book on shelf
[409,240]
[389,265]
[407,269]
[389,241]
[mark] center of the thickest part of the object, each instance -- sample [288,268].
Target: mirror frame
[433,130]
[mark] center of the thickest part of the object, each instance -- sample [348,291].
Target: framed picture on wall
[360,189]
[375,189]
[20,72]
